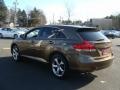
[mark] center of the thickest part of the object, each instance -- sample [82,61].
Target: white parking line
[6,48]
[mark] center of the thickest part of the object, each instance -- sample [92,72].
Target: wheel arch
[58,52]
[1,34]
[12,45]
[15,35]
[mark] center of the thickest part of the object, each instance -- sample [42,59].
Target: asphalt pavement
[34,75]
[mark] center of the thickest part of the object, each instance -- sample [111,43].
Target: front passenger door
[28,44]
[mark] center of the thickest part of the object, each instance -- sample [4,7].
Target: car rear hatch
[95,44]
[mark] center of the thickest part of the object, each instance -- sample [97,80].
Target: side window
[9,30]
[33,34]
[49,32]
[4,29]
[60,35]
[46,32]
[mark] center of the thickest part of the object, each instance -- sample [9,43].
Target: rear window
[92,35]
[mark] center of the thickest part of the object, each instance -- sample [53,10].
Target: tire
[15,36]
[15,53]
[113,37]
[1,36]
[59,66]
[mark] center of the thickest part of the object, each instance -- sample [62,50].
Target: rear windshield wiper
[100,40]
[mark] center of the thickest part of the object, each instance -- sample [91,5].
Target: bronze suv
[65,47]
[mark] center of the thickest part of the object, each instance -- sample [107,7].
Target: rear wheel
[113,36]
[1,36]
[15,53]
[59,66]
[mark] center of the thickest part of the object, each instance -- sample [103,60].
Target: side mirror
[22,36]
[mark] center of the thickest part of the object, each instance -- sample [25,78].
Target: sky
[80,9]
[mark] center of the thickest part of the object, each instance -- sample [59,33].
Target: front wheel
[1,36]
[15,36]
[15,53]
[59,66]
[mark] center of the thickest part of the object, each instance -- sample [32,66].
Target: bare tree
[3,12]
[36,18]
[15,13]
[68,9]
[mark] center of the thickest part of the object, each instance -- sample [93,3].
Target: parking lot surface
[34,75]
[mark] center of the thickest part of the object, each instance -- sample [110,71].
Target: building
[101,23]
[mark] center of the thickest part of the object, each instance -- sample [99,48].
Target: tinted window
[8,29]
[60,35]
[92,36]
[4,29]
[47,32]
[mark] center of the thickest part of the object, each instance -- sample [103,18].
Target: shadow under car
[34,75]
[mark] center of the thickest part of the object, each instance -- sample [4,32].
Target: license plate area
[105,51]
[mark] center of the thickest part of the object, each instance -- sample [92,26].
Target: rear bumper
[93,65]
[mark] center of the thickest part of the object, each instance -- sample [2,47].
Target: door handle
[51,42]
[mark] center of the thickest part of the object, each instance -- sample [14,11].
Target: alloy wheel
[15,53]
[58,67]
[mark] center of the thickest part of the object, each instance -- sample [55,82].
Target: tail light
[86,46]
